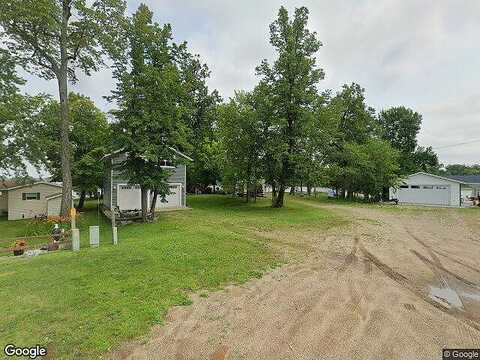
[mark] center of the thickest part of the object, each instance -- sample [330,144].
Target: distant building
[30,200]
[428,189]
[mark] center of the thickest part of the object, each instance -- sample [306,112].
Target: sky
[420,54]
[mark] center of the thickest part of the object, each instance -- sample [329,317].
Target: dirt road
[394,285]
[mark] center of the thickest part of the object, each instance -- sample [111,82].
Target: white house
[30,200]
[428,189]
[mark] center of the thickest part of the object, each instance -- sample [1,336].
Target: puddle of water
[446,296]
[450,298]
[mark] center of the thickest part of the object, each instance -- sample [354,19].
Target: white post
[114,229]
[94,236]
[115,235]
[75,239]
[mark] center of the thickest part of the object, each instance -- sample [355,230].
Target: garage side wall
[422,179]
[107,184]
[53,206]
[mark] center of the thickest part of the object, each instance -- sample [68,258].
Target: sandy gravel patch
[392,286]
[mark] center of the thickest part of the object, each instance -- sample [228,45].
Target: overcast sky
[421,54]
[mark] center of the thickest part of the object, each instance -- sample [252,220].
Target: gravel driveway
[394,285]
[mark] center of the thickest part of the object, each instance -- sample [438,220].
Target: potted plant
[19,247]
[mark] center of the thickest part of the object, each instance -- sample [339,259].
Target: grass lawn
[12,229]
[81,304]
[471,214]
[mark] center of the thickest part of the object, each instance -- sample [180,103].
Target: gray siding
[179,175]
[107,183]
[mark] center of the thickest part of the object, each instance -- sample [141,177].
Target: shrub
[37,227]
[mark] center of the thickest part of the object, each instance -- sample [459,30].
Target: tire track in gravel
[407,284]
[358,293]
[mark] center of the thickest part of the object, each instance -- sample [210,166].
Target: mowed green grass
[22,229]
[470,214]
[81,304]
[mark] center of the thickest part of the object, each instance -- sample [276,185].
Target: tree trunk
[81,201]
[278,203]
[153,204]
[144,202]
[349,195]
[274,192]
[62,78]
[309,189]
[248,193]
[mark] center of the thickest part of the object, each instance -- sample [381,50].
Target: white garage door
[425,194]
[129,197]
[174,200]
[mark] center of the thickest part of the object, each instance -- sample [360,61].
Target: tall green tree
[400,126]
[150,96]
[90,138]
[242,144]
[10,157]
[355,117]
[54,38]
[365,168]
[293,80]
[16,110]
[352,125]
[461,169]
[200,116]
[315,145]
[426,160]
[9,79]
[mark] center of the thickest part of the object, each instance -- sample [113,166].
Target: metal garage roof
[470,179]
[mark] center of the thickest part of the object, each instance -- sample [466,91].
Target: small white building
[30,200]
[428,189]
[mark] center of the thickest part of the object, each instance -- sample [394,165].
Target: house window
[415,187]
[31,196]
[403,186]
[429,187]
[129,187]
[441,187]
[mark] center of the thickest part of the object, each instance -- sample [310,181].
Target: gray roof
[52,196]
[470,179]
[119,151]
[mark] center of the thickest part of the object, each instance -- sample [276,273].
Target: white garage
[428,189]
[129,197]
[173,200]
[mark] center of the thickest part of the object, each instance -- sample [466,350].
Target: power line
[457,144]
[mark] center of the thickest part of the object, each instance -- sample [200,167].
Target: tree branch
[32,40]
[77,48]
